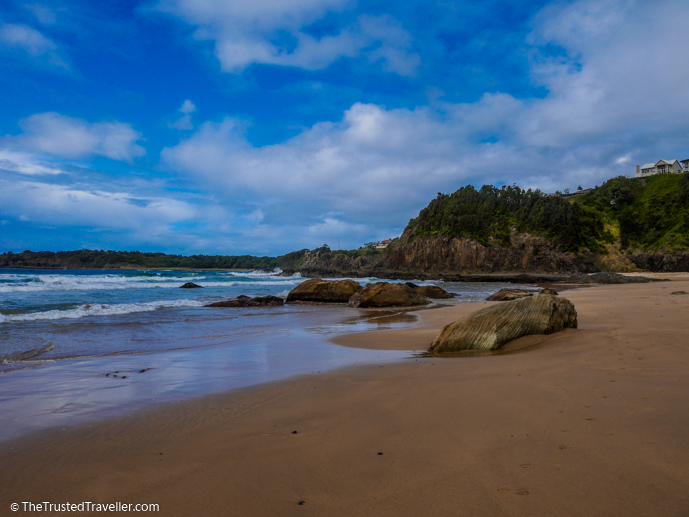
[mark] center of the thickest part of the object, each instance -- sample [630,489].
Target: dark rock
[385,294]
[609,278]
[247,301]
[504,295]
[549,291]
[492,327]
[324,291]
[191,285]
[432,291]
[678,292]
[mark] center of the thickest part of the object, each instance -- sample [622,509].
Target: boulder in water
[431,291]
[247,301]
[492,327]
[324,291]
[386,294]
[191,285]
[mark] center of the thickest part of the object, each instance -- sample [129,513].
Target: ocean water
[80,344]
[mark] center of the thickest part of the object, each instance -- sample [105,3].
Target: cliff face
[662,262]
[449,258]
[527,253]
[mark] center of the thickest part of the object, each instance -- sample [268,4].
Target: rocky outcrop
[492,327]
[505,295]
[324,291]
[431,291]
[247,301]
[661,262]
[549,291]
[190,285]
[527,253]
[450,258]
[609,278]
[386,294]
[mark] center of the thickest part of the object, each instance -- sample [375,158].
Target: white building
[662,167]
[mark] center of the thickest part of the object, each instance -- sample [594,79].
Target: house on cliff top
[662,167]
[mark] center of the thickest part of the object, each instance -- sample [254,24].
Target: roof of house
[669,162]
[648,166]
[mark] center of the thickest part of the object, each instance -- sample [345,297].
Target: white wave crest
[97,309]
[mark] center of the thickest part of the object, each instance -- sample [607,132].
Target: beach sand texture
[592,421]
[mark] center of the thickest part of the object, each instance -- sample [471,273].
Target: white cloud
[269,32]
[184,122]
[43,14]
[187,107]
[32,42]
[605,110]
[68,137]
[626,68]
[71,205]
[26,163]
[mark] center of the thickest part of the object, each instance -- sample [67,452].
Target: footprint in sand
[522,491]
[525,465]
[590,419]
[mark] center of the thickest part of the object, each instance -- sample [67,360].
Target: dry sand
[592,422]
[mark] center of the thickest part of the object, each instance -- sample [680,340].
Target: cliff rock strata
[449,258]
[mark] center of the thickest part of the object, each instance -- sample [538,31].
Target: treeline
[491,215]
[641,214]
[95,259]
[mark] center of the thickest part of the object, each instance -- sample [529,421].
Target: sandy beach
[590,421]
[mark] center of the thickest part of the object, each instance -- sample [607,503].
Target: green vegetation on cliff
[649,214]
[493,214]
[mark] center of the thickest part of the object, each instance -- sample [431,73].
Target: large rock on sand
[505,295]
[492,327]
[386,294]
[247,301]
[327,291]
[431,291]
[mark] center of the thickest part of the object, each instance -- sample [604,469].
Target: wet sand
[590,421]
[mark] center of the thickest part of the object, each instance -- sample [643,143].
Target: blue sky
[225,127]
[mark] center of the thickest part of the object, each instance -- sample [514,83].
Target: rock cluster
[380,294]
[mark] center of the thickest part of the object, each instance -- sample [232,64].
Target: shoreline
[585,421]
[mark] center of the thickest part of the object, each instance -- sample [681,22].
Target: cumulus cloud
[71,205]
[184,122]
[68,137]
[22,38]
[605,110]
[625,69]
[268,32]
[27,163]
